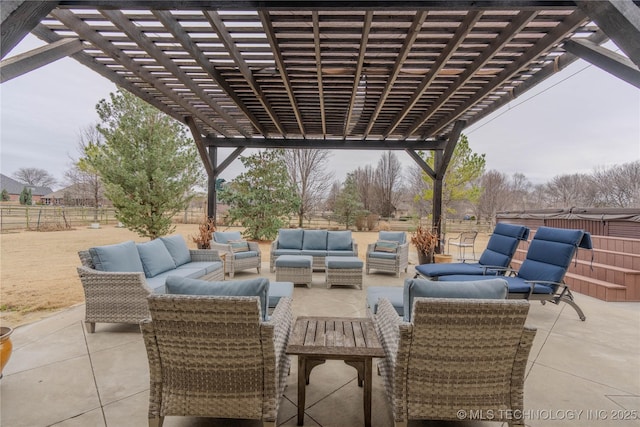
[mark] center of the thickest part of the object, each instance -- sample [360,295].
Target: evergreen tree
[262,196]
[348,205]
[5,195]
[147,164]
[26,196]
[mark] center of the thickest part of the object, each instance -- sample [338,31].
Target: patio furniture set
[236,337]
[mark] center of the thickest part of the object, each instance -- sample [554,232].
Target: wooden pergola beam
[134,32]
[87,33]
[412,35]
[366,28]
[620,20]
[202,149]
[609,61]
[172,24]
[23,63]
[318,54]
[456,40]
[223,33]
[554,36]
[329,144]
[280,64]
[18,19]
[511,30]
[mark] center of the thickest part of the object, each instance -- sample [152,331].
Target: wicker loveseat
[316,243]
[118,278]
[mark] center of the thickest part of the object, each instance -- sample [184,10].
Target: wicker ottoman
[343,270]
[294,268]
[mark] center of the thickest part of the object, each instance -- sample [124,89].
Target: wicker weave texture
[343,277]
[233,264]
[297,275]
[113,297]
[213,357]
[455,355]
[394,265]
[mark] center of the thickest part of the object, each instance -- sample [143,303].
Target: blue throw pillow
[178,249]
[155,257]
[478,289]
[242,288]
[122,257]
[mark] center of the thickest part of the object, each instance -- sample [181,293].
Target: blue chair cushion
[342,262]
[392,293]
[341,253]
[339,241]
[396,236]
[516,285]
[252,287]
[279,252]
[245,255]
[315,240]
[482,289]
[155,257]
[383,255]
[178,249]
[447,269]
[121,257]
[290,238]
[502,244]
[279,290]
[226,236]
[389,246]
[300,261]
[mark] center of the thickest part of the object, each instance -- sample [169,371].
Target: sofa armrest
[204,255]
[354,245]
[220,247]
[155,368]
[254,246]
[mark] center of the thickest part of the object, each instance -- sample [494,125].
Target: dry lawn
[38,269]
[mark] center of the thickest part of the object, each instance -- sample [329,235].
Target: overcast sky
[578,120]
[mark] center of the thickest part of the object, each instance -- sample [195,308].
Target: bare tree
[334,192]
[388,180]
[417,186]
[567,191]
[365,180]
[84,178]
[495,194]
[619,186]
[519,188]
[35,177]
[311,177]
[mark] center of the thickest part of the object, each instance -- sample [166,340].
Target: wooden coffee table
[316,339]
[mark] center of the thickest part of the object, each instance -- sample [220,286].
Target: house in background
[76,195]
[14,188]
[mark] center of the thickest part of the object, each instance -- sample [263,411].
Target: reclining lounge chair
[541,274]
[500,249]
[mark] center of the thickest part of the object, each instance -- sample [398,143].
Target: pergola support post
[212,195]
[437,201]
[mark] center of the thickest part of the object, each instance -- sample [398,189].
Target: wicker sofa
[118,278]
[316,243]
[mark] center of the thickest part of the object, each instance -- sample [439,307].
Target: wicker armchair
[236,261]
[389,262]
[456,359]
[113,297]
[212,356]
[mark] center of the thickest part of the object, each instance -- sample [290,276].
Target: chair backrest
[226,236]
[502,244]
[550,253]
[462,354]
[214,341]
[393,236]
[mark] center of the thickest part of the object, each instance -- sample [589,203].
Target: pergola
[374,75]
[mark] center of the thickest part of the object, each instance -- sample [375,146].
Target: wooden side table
[316,339]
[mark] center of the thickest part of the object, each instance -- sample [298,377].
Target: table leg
[367,391]
[302,369]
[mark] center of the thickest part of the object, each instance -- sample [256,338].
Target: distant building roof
[15,187]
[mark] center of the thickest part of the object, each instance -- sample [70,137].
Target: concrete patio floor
[580,373]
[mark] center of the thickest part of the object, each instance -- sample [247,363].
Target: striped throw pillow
[239,246]
[386,246]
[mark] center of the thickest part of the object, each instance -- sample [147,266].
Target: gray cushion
[342,262]
[205,266]
[294,261]
[253,287]
[225,236]
[339,241]
[290,239]
[316,253]
[279,290]
[315,240]
[383,255]
[155,257]
[395,236]
[178,249]
[122,257]
[279,252]
[392,293]
[480,289]
[245,255]
[341,253]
